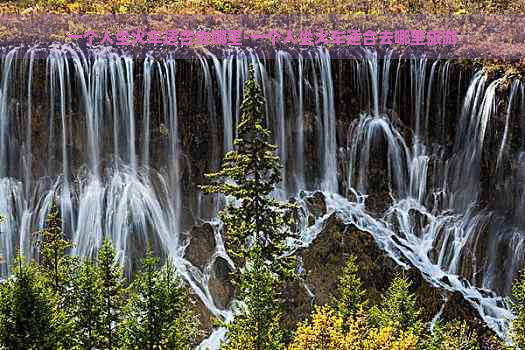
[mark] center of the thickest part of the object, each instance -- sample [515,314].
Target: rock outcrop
[201,246]
[322,262]
[325,257]
[220,285]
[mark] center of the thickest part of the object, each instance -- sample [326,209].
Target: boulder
[201,246]
[316,205]
[222,292]
[219,284]
[206,319]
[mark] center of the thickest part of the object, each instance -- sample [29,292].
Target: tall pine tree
[158,312]
[53,248]
[256,226]
[26,310]
[250,173]
[112,283]
[86,305]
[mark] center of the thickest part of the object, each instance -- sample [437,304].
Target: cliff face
[426,156]
[321,265]
[325,256]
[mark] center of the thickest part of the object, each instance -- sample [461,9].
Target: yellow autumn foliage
[325,331]
[389,338]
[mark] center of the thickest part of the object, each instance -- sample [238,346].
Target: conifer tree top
[257,222]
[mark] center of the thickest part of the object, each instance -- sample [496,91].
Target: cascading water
[121,145]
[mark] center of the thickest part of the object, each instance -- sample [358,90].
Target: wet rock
[352,196]
[433,254]
[222,292]
[446,280]
[419,220]
[377,177]
[297,303]
[324,259]
[429,298]
[202,245]
[457,308]
[316,206]
[342,170]
[312,151]
[400,243]
[481,247]
[379,201]
[206,319]
[296,214]
[220,286]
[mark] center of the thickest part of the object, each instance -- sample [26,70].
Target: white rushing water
[110,140]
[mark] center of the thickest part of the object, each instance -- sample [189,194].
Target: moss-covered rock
[325,257]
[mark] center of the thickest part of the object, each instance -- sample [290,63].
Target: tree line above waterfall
[57,301]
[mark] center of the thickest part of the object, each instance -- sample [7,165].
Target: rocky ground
[322,262]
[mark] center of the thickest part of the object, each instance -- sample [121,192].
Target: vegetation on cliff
[256,227]
[394,323]
[518,307]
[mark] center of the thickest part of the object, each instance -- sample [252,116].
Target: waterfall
[329,149]
[282,64]
[299,125]
[399,149]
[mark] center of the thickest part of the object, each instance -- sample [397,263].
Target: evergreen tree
[258,327]
[158,313]
[57,268]
[26,310]
[249,174]
[53,247]
[398,308]
[256,226]
[351,298]
[112,282]
[86,304]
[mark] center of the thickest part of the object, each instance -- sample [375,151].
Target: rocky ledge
[323,261]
